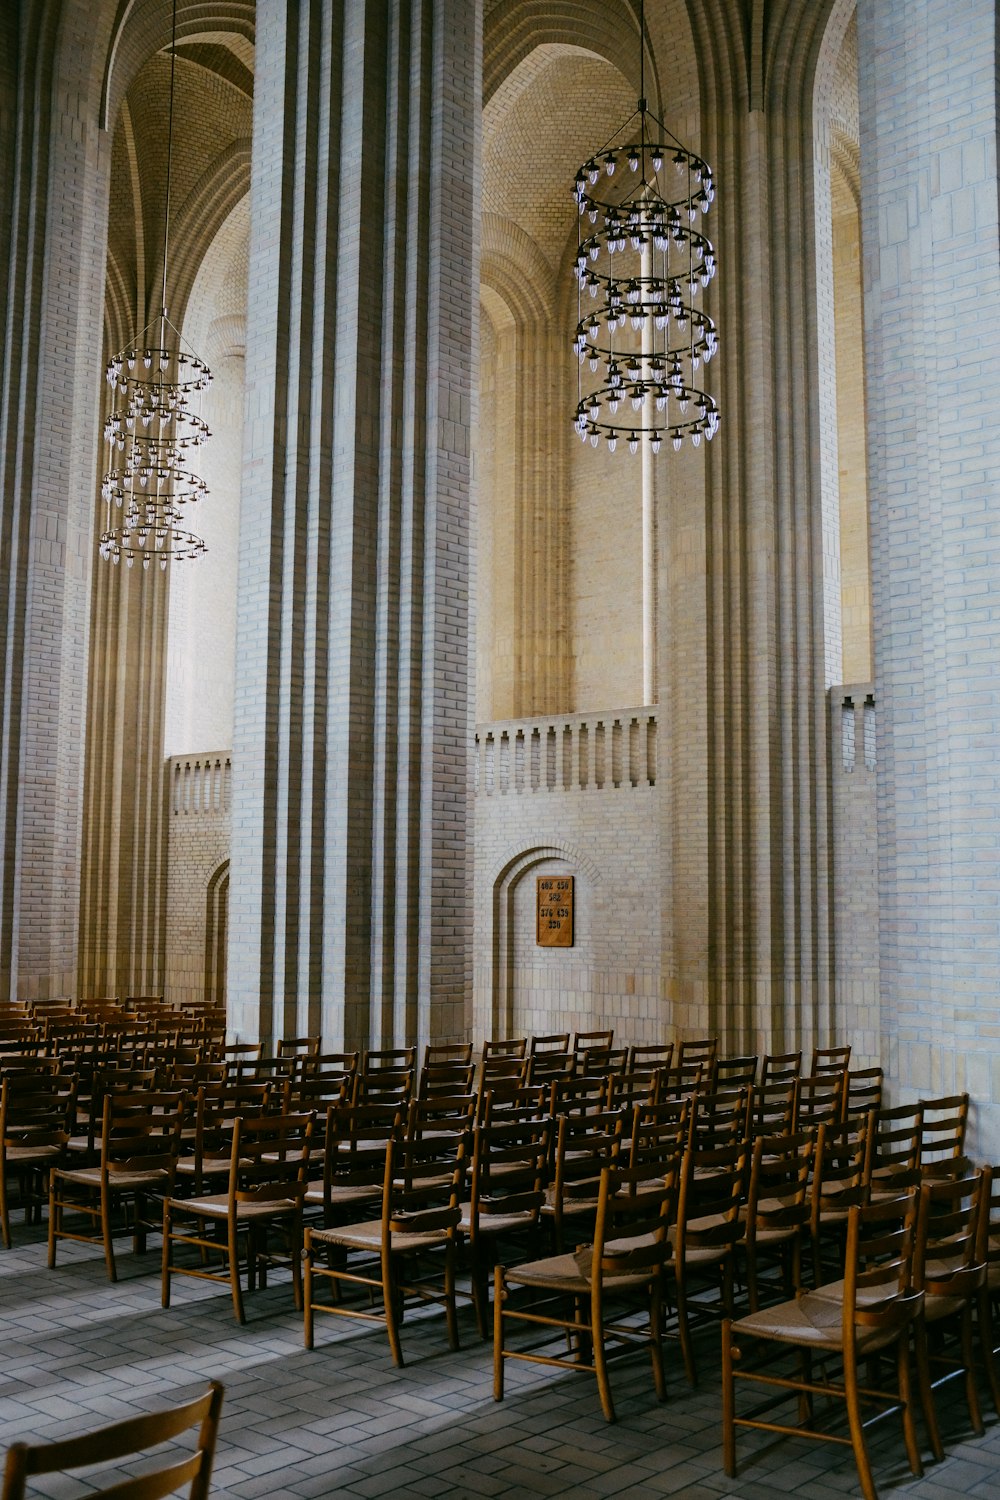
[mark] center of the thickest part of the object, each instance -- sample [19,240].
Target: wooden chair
[447,1069]
[510,1163]
[647,1057]
[140,1141]
[589,1297]
[626,1090]
[578,1095]
[658,1139]
[120,1440]
[408,1254]
[299,1046]
[36,1115]
[949,1272]
[267,1183]
[870,1314]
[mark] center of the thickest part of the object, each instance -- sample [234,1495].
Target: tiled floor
[342,1420]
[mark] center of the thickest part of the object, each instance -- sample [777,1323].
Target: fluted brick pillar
[932,314]
[348,893]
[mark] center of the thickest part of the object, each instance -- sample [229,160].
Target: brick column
[932,320]
[348,895]
[52,222]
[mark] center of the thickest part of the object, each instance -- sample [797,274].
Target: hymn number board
[555,911]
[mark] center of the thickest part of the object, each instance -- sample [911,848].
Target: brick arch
[216,933]
[141,28]
[507,875]
[513,266]
[201,217]
[606,28]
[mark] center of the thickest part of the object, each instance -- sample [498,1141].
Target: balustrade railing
[567,753]
[200,785]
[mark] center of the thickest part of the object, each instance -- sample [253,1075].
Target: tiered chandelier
[639,272]
[154,428]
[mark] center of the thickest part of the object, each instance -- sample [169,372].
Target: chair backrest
[646,1057]
[423,1184]
[821,1100]
[778,1195]
[121,1440]
[578,1095]
[680,1081]
[388,1060]
[270,1159]
[840,1165]
[509,1100]
[863,1093]
[703,1049]
[719,1118]
[447,1076]
[510,1163]
[942,1133]
[946,1259]
[585,1144]
[141,1132]
[631,1231]
[780,1065]
[895,1155]
[557,1041]
[585,1041]
[36,1110]
[544,1066]
[604,1062]
[447,1052]
[356,1138]
[711,1192]
[295,1046]
[735,1072]
[830,1060]
[440,1113]
[878,1270]
[626,1090]
[504,1046]
[658,1136]
[774,1107]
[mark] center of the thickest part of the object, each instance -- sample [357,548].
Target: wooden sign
[554,922]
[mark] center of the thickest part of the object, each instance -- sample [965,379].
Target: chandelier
[641,265]
[154,428]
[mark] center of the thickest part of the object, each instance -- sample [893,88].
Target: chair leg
[926,1392]
[55,1219]
[856,1425]
[906,1395]
[656,1339]
[988,1341]
[971,1393]
[165,1263]
[687,1347]
[234,1268]
[599,1354]
[295,1245]
[308,1320]
[728,1400]
[109,1249]
[451,1310]
[390,1304]
[4,1210]
[498,1296]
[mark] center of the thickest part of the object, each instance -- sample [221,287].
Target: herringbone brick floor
[76,1351]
